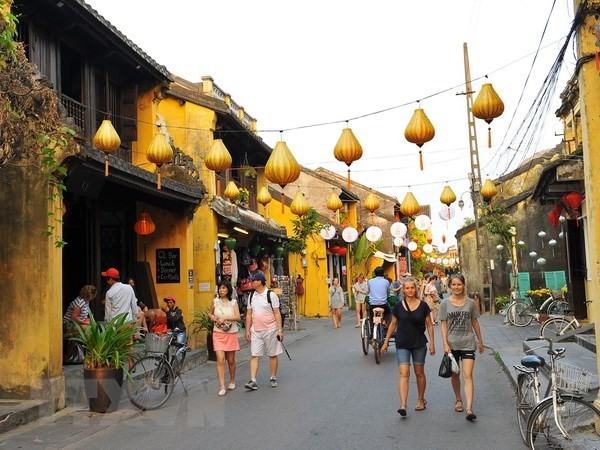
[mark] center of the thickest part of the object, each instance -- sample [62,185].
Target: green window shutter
[555,280]
[524,283]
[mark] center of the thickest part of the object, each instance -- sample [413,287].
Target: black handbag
[445,367]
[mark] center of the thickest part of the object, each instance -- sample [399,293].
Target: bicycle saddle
[533,361]
[378,310]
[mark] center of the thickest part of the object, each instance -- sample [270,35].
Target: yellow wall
[314,302]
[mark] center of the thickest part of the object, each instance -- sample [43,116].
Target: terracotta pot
[103,388]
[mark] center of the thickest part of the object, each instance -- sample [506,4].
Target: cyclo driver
[379,288]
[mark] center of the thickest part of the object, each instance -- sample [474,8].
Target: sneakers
[273,382]
[251,385]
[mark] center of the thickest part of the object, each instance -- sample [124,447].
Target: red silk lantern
[334,249]
[144,224]
[573,199]
[342,251]
[553,218]
[443,238]
[429,240]
[557,209]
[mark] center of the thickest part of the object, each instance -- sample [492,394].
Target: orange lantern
[159,152]
[299,205]
[418,131]
[282,168]
[107,140]
[144,224]
[347,149]
[218,159]
[489,189]
[487,106]
[410,206]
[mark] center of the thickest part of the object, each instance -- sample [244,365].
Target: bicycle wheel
[377,344]
[150,382]
[517,314]
[177,363]
[525,401]
[556,326]
[576,417]
[364,337]
[558,308]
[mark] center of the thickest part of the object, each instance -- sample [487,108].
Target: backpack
[269,300]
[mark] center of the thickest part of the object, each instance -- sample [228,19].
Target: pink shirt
[263,317]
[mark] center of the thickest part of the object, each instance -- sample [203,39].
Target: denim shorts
[403,355]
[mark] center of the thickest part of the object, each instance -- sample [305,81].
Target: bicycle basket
[157,343]
[574,379]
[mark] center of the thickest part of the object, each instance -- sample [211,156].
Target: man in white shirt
[264,329]
[120,298]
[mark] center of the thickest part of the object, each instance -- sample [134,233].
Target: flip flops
[458,406]
[421,405]
[402,411]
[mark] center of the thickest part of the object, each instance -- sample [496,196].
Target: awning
[559,178]
[85,176]
[247,219]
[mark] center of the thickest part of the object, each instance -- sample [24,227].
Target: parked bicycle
[521,313]
[372,333]
[153,377]
[562,419]
[558,326]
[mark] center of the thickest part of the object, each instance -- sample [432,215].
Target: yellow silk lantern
[299,205]
[231,191]
[218,159]
[159,152]
[107,140]
[333,202]
[282,168]
[448,196]
[371,202]
[489,189]
[347,149]
[410,206]
[419,130]
[487,106]
[263,197]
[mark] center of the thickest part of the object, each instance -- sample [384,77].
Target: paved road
[330,396]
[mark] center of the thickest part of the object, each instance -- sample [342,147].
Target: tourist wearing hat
[175,320]
[120,297]
[264,329]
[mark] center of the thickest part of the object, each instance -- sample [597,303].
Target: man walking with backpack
[264,329]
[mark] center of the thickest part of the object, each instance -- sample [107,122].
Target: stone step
[587,341]
[19,412]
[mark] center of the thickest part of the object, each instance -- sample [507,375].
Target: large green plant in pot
[107,348]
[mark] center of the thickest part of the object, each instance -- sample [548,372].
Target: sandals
[470,416]
[458,406]
[402,411]
[421,405]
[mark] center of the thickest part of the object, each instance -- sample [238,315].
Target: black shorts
[463,354]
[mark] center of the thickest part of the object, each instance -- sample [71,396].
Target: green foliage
[304,227]
[363,249]
[202,322]
[496,221]
[107,345]
[501,301]
[8,31]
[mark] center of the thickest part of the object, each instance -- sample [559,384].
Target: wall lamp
[241,230]
[223,235]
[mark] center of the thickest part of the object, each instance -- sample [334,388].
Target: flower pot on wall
[103,388]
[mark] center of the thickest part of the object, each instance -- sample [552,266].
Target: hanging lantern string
[333,122]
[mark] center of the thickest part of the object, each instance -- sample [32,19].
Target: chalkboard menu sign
[167,265]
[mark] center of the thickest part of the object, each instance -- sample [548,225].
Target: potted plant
[202,322]
[107,348]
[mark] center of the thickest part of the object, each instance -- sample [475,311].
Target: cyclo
[373,329]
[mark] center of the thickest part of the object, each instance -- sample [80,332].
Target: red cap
[111,273]
[169,298]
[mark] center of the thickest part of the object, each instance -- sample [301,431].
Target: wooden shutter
[129,113]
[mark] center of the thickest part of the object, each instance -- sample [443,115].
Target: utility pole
[475,179]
